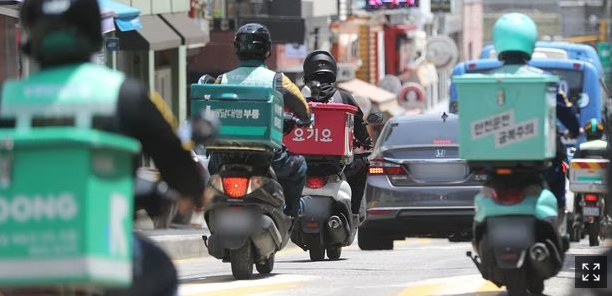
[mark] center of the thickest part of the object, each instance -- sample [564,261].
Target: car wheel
[369,241]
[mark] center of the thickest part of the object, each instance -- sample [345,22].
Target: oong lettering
[22,208]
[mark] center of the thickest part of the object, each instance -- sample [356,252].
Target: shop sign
[111,44]
[443,6]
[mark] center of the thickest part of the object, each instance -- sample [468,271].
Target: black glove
[207,79]
[321,92]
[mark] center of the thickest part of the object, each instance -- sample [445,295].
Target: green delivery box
[507,117]
[66,200]
[249,115]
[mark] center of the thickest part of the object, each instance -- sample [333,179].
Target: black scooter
[245,210]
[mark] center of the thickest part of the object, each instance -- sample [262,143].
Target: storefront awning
[11,10]
[108,15]
[383,100]
[127,18]
[154,35]
[192,35]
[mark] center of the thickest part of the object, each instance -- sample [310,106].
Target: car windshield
[420,133]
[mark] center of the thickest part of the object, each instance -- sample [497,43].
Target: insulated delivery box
[249,115]
[66,198]
[507,117]
[588,175]
[331,134]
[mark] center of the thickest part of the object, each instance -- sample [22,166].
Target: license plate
[480,177]
[233,219]
[511,231]
[590,211]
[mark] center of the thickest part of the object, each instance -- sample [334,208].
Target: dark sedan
[417,185]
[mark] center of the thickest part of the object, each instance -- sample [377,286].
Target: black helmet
[61,31]
[252,41]
[320,65]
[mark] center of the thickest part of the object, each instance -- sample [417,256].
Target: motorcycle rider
[62,40]
[320,70]
[594,147]
[514,37]
[252,43]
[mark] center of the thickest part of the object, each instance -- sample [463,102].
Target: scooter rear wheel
[267,266]
[334,253]
[594,233]
[242,261]
[315,248]
[536,287]
[516,284]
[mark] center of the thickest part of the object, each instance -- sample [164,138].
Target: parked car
[417,185]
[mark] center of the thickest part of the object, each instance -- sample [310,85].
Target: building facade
[148,40]
[282,17]
[116,16]
[158,53]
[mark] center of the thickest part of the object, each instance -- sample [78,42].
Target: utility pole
[607,16]
[237,15]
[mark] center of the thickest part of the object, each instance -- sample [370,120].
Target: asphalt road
[416,267]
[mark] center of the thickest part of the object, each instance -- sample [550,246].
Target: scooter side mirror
[375,118]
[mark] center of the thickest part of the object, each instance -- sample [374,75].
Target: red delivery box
[332,133]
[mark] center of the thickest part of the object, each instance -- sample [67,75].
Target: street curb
[181,247]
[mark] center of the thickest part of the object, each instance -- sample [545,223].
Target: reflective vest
[77,94]
[254,76]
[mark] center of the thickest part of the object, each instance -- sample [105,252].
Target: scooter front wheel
[242,261]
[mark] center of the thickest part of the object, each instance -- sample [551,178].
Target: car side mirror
[375,118]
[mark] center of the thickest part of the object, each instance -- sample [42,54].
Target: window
[10,58]
[403,50]
[248,7]
[573,82]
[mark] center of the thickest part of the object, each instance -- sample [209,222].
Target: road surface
[416,267]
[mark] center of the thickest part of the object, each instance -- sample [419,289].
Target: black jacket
[360,131]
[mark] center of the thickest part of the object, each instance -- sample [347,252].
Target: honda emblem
[440,153]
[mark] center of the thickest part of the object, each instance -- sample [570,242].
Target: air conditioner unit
[346,72]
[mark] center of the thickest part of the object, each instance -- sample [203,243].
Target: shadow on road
[223,279]
[309,261]
[491,293]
